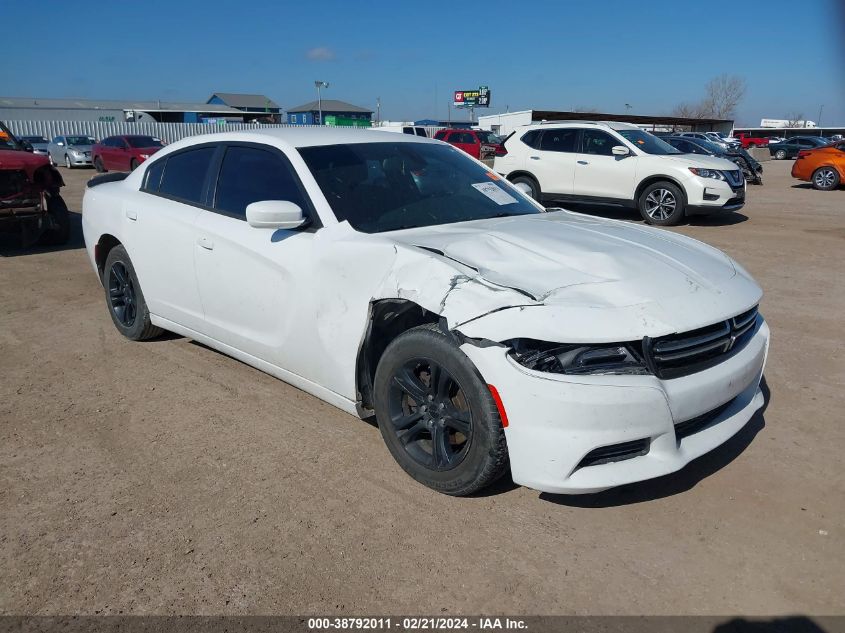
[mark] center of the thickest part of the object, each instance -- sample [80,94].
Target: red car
[124,153]
[477,143]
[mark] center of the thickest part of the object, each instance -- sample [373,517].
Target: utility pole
[819,122]
[318,85]
[378,111]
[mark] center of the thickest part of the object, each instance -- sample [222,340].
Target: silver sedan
[71,150]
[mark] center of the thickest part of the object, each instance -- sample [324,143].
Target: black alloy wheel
[430,415]
[122,299]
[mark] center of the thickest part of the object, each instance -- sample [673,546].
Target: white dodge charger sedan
[400,277]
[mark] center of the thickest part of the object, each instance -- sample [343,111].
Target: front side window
[441,134]
[562,140]
[387,186]
[184,174]
[249,175]
[600,143]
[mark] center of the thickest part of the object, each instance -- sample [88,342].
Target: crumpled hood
[560,257]
[12,159]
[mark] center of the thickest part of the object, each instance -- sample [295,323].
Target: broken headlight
[578,359]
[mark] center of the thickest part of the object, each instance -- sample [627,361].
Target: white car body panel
[296,305]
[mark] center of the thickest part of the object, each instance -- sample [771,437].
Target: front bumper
[706,196]
[79,160]
[557,422]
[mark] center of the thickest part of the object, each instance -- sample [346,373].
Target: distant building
[334,113]
[104,110]
[256,106]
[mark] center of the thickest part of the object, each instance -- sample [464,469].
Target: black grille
[683,354]
[12,182]
[734,177]
[615,453]
[696,424]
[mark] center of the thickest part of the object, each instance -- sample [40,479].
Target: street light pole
[318,85]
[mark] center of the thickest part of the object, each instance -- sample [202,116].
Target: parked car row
[117,153]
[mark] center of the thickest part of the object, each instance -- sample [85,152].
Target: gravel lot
[166,478]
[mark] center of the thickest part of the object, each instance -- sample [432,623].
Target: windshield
[487,137]
[389,186]
[34,139]
[144,141]
[80,140]
[711,147]
[646,142]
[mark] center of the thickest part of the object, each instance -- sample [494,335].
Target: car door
[601,174]
[161,233]
[107,152]
[254,282]
[552,160]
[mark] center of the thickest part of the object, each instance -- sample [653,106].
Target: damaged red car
[30,200]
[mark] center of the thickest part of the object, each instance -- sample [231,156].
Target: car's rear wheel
[133,164]
[825,178]
[661,203]
[780,154]
[98,165]
[59,233]
[436,415]
[124,298]
[528,186]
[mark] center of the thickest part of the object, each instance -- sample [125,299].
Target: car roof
[613,125]
[293,137]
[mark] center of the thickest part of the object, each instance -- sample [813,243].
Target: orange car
[824,167]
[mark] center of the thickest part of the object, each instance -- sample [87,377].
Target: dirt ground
[166,478]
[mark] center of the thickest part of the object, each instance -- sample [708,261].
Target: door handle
[206,243]
[583,162]
[131,214]
[534,157]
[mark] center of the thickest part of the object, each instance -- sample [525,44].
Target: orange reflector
[494,392]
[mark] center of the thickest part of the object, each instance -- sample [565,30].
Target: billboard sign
[479,98]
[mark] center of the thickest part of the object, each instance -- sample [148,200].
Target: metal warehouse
[221,107]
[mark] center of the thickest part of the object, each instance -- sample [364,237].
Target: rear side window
[441,134]
[598,143]
[421,132]
[531,139]
[184,174]
[249,175]
[558,140]
[407,130]
[152,179]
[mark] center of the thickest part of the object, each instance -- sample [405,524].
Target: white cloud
[320,54]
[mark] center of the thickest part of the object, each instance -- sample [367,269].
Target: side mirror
[60,144]
[274,214]
[620,150]
[27,146]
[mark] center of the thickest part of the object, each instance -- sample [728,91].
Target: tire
[528,186]
[662,203]
[780,154]
[133,165]
[826,179]
[124,298]
[98,165]
[58,211]
[473,452]
[68,164]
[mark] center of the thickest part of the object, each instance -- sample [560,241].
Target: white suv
[618,164]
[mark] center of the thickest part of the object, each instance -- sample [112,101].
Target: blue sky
[542,55]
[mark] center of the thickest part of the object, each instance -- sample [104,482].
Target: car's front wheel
[133,164]
[528,186]
[661,203]
[124,298]
[68,164]
[98,165]
[825,178]
[436,415]
[780,154]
